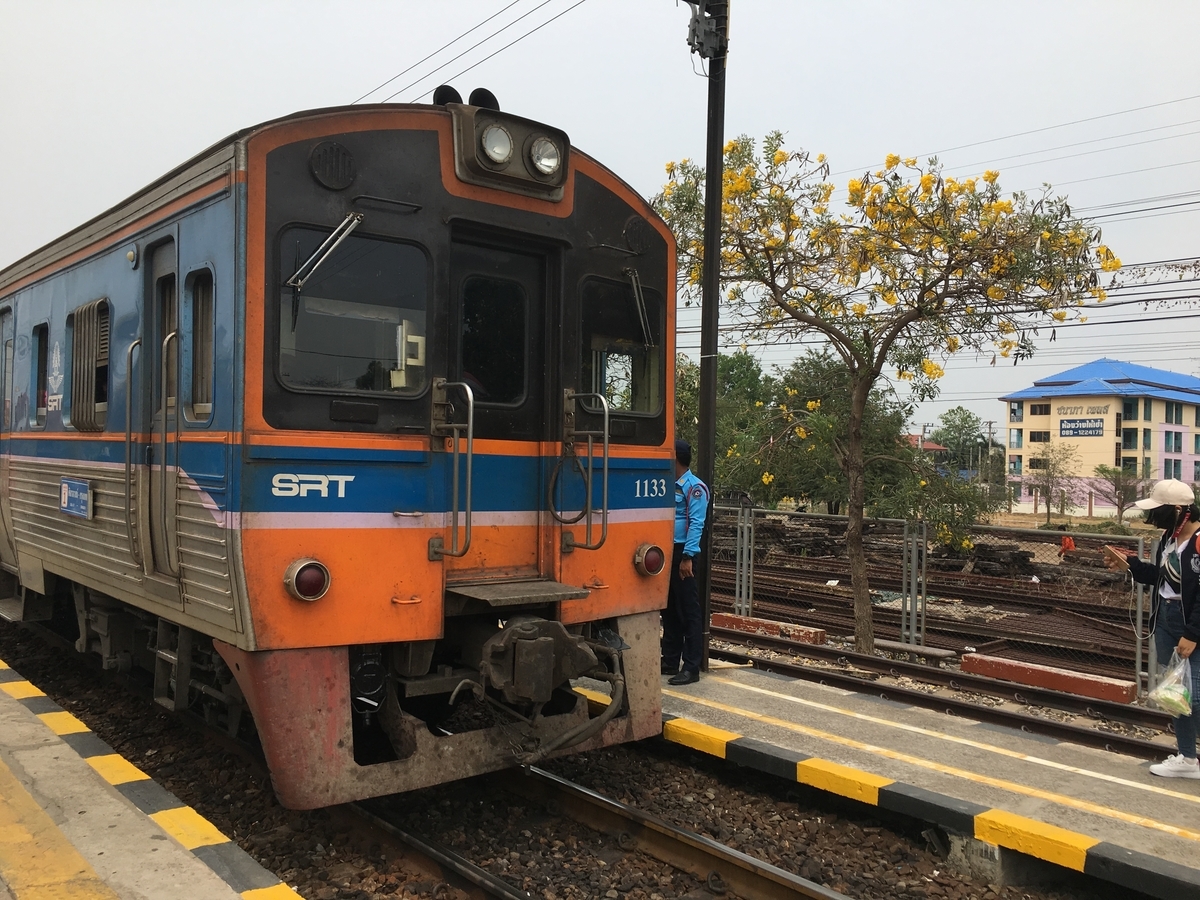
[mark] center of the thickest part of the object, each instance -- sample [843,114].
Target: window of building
[88,337]
[201,298]
[1197,450]
[1173,413]
[1016,411]
[1146,439]
[1014,438]
[1036,463]
[1173,468]
[41,349]
[1196,470]
[1129,410]
[1172,442]
[1029,490]
[1147,468]
[1039,409]
[1148,409]
[1129,438]
[1039,437]
[1129,465]
[1198,416]
[1014,465]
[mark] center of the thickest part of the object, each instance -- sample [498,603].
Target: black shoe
[669,670]
[685,677]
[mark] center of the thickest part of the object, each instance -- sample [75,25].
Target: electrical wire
[468,50]
[437,51]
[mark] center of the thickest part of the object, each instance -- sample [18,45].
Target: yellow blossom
[859,309]
[780,157]
[813,405]
[892,161]
[990,176]
[952,344]
[820,157]
[923,483]
[931,369]
[995,293]
[910,161]
[767,478]
[801,433]
[670,170]
[758,403]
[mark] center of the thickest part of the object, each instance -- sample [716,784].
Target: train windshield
[622,344]
[359,323]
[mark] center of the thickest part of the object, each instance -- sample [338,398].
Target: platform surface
[79,822]
[1081,807]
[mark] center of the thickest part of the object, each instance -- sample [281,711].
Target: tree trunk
[864,628]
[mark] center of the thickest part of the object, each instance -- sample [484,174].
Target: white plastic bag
[1174,691]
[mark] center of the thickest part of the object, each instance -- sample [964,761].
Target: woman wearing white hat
[1175,611]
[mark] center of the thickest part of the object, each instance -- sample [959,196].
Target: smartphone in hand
[1114,558]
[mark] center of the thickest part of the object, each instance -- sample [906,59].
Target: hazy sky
[99,98]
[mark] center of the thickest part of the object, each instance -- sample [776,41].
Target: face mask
[1163,517]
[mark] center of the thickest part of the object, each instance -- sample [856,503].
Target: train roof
[222,158]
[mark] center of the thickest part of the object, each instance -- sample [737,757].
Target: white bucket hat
[1170,492]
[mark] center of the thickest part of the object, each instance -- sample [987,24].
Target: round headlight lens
[649,559]
[307,579]
[497,144]
[545,156]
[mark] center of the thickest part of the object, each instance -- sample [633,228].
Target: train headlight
[649,559]
[497,144]
[545,155]
[306,579]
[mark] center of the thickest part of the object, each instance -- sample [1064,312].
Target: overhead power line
[450,43]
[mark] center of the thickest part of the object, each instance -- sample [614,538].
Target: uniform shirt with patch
[691,509]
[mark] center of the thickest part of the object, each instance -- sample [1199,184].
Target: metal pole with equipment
[708,36]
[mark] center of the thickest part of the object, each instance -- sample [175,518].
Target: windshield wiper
[640,301]
[305,272]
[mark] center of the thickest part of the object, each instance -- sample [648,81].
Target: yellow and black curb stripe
[1070,849]
[229,861]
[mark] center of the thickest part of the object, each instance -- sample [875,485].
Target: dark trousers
[683,628]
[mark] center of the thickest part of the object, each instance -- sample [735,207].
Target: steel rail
[1026,695]
[721,868]
[454,867]
[1075,734]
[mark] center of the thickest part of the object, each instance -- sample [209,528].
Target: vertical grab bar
[589,477]
[173,569]
[437,547]
[134,549]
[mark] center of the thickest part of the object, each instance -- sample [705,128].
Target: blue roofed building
[1143,420]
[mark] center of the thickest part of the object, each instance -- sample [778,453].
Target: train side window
[41,348]
[358,323]
[201,297]
[88,338]
[622,346]
[494,338]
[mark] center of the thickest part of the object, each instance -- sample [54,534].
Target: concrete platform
[79,822]
[1089,810]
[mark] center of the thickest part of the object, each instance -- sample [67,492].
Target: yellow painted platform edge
[844,780]
[194,826]
[1049,842]
[698,736]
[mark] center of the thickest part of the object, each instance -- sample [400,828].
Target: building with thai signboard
[1142,420]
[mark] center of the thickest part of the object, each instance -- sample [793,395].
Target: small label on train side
[75,497]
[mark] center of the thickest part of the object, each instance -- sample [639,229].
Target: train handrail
[162,465]
[589,473]
[437,545]
[134,549]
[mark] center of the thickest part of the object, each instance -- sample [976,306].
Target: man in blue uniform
[683,628]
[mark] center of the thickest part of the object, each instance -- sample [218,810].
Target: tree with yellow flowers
[920,266]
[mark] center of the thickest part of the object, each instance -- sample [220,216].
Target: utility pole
[708,36]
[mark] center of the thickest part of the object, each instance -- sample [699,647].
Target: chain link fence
[1040,596]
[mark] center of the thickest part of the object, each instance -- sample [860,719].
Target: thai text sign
[75,498]
[1081,428]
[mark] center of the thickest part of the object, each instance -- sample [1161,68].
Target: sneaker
[1176,766]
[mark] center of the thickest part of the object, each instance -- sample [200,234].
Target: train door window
[41,350]
[622,345]
[358,323]
[494,338]
[200,295]
[88,338]
[168,316]
[6,326]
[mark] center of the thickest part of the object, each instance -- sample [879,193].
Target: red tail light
[649,559]
[306,579]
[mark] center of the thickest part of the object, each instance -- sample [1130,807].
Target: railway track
[724,871]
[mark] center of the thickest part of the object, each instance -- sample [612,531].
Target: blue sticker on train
[75,497]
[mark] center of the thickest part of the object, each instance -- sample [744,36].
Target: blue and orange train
[360,421]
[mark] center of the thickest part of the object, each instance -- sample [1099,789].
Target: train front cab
[422,428]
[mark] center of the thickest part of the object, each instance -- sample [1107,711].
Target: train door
[161,327]
[7,348]
[498,298]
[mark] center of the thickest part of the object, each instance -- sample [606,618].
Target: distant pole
[708,35]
